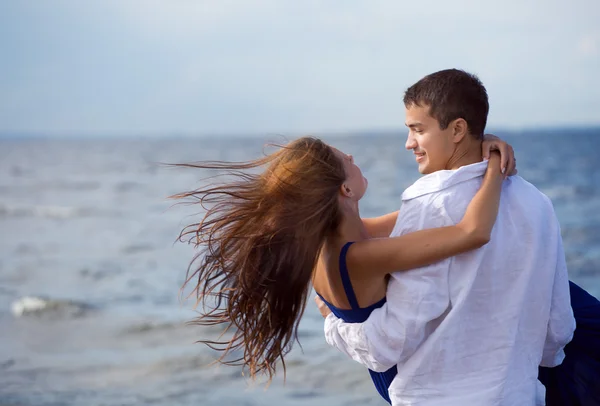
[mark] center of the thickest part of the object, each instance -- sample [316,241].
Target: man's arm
[395,331]
[561,324]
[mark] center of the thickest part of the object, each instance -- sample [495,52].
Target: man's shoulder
[515,187]
[519,188]
[449,204]
[425,211]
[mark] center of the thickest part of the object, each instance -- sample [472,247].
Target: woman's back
[329,283]
[358,314]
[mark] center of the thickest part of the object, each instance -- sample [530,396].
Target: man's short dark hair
[452,94]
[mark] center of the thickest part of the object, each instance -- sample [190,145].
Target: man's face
[431,145]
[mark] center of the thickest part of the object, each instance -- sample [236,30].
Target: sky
[185,67]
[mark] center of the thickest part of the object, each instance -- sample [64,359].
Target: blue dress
[576,382]
[356,314]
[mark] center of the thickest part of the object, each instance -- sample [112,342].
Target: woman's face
[355,184]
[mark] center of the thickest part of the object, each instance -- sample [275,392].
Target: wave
[52,212]
[149,326]
[569,192]
[51,185]
[43,306]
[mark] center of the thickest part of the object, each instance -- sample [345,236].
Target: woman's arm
[414,250]
[382,226]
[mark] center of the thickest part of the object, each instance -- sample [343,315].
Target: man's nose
[410,142]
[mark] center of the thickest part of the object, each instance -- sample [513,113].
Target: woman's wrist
[494,164]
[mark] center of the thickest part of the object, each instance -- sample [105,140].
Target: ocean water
[87,237]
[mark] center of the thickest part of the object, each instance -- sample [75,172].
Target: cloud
[589,45]
[199,66]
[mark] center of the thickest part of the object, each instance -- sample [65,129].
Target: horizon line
[256,134]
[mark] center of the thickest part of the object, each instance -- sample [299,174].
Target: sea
[91,311]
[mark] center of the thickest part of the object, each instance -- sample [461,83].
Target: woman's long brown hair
[259,243]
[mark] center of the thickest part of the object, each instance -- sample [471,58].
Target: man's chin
[424,170]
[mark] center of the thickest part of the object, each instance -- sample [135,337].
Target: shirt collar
[440,180]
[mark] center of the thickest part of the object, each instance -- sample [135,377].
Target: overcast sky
[105,67]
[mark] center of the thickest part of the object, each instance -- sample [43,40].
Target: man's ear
[460,129]
[346,191]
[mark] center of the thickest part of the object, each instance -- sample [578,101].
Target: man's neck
[468,152]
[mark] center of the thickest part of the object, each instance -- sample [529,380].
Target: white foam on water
[35,305]
[28,304]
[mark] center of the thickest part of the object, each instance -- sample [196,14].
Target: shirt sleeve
[395,331]
[561,324]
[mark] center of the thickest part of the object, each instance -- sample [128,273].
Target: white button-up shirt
[471,329]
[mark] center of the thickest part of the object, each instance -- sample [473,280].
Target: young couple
[456,299]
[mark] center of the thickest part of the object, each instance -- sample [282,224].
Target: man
[472,329]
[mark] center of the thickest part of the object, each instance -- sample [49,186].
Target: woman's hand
[508,162]
[322,307]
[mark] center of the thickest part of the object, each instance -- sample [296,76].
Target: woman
[267,236]
[576,382]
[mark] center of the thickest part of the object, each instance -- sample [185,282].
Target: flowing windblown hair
[259,243]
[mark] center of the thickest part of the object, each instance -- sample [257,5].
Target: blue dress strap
[346,277]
